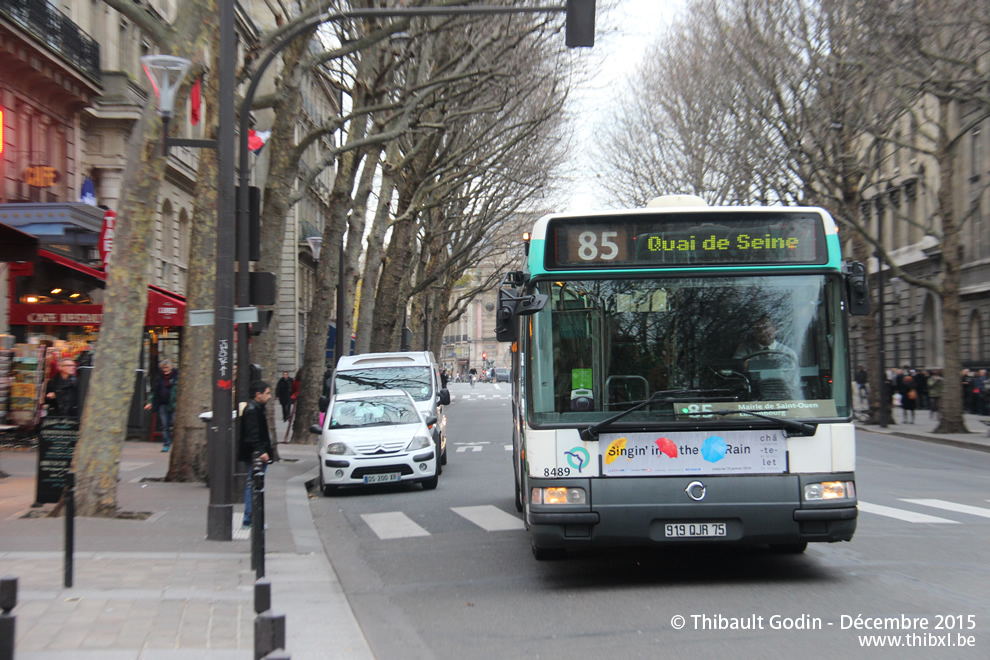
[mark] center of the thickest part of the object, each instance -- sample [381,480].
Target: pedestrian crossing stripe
[901,514]
[952,506]
[489,518]
[393,525]
[397,525]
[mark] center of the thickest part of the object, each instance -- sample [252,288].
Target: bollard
[258,518]
[70,525]
[269,633]
[8,600]
[278,654]
[262,595]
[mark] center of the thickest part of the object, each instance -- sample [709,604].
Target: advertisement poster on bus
[694,452]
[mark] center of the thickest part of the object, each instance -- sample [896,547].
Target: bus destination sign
[694,239]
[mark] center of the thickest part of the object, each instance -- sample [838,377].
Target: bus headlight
[830,490]
[558,495]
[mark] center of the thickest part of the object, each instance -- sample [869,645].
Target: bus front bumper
[635,511]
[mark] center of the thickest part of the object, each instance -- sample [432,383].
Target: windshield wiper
[664,397]
[787,424]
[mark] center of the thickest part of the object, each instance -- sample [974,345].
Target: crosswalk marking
[488,517]
[393,525]
[901,514]
[952,506]
[508,448]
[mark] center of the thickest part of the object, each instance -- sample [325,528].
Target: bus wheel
[548,554]
[789,548]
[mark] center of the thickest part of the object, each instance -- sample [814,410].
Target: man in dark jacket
[255,440]
[164,395]
[62,391]
[283,392]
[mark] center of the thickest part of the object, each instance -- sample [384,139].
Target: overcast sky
[619,45]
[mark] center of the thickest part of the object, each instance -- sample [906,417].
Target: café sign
[41,176]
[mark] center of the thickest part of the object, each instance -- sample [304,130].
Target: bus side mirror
[857,291]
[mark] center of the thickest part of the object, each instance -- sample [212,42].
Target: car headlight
[419,442]
[830,490]
[338,449]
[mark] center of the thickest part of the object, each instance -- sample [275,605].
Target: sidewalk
[923,429]
[156,589]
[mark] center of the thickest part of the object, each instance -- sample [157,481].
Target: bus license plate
[381,478]
[696,529]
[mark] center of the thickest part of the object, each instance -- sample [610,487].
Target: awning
[165,308]
[16,245]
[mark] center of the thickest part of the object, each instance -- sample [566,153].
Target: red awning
[164,307]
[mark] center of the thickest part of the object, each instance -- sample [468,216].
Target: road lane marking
[488,517]
[508,448]
[393,525]
[952,506]
[901,514]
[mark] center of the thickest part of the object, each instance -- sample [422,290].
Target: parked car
[503,375]
[376,437]
[416,372]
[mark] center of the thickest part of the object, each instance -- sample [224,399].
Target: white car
[376,437]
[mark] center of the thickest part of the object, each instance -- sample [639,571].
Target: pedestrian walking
[164,394]
[283,392]
[255,440]
[62,390]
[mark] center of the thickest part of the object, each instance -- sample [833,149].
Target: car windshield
[702,343]
[414,380]
[374,411]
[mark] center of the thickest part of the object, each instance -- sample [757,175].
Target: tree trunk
[104,419]
[187,461]
[951,418]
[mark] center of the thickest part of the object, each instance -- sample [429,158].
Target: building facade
[904,208]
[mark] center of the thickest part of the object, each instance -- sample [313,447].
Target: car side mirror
[316,429]
[444,397]
[431,420]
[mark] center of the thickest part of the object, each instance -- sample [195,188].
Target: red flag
[195,101]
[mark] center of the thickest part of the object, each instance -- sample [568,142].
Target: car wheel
[443,455]
[324,488]
[431,483]
[439,459]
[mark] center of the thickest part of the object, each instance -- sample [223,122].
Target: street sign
[207,317]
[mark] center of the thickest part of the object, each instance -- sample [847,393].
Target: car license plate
[695,529]
[381,478]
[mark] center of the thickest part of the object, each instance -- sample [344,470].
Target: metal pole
[884,400]
[339,341]
[70,526]
[221,469]
[258,517]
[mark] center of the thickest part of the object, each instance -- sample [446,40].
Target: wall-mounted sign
[106,236]
[41,176]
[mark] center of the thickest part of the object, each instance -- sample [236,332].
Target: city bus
[680,375]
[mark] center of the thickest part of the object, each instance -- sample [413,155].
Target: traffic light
[579,28]
[484,356]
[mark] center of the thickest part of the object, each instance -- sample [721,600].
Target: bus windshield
[764,343]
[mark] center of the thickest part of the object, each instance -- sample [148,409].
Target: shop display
[27,378]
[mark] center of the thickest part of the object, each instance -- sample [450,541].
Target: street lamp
[166,73]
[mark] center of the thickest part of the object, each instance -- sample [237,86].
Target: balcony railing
[58,31]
